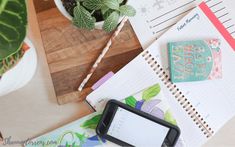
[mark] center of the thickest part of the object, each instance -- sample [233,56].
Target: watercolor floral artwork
[81,133]
[153,101]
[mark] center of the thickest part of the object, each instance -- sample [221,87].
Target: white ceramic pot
[59,5]
[22,73]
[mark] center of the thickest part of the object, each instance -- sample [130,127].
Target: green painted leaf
[112,4]
[127,10]
[13,23]
[82,137]
[82,18]
[111,22]
[62,140]
[169,117]
[131,101]
[67,144]
[91,123]
[74,144]
[93,4]
[151,92]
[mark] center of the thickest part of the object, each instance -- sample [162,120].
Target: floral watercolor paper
[152,101]
[81,133]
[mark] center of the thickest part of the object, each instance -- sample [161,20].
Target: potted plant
[17,54]
[99,14]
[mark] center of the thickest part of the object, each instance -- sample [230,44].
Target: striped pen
[106,48]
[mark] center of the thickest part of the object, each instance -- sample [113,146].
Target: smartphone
[127,126]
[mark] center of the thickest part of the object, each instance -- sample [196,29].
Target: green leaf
[120,1]
[94,19]
[104,9]
[151,92]
[108,13]
[93,4]
[91,123]
[112,4]
[82,18]
[111,22]
[67,144]
[73,145]
[13,23]
[127,10]
[131,101]
[169,117]
[82,137]
[10,61]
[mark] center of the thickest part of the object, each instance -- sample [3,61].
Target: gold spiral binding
[179,96]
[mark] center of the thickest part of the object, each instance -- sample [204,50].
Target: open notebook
[157,16]
[201,108]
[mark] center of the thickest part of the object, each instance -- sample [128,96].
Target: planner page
[154,17]
[213,99]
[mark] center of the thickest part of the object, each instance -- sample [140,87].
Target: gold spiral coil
[179,96]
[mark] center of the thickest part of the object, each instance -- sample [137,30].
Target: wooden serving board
[71,51]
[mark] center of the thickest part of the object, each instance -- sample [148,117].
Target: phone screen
[133,129]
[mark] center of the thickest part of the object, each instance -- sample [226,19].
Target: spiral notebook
[202,107]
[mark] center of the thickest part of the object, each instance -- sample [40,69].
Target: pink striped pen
[106,48]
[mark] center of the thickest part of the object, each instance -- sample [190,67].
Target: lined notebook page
[154,17]
[219,9]
[213,99]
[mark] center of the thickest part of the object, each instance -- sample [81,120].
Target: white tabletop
[33,110]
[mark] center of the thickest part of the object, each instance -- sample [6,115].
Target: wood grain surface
[42,5]
[71,52]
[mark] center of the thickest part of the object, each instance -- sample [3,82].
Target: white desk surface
[33,110]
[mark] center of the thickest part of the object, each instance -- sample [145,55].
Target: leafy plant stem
[87,12]
[92,12]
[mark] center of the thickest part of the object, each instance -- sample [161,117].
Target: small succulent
[111,11]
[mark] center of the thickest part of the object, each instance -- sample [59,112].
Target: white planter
[21,74]
[59,5]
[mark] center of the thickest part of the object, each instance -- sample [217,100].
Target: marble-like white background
[33,110]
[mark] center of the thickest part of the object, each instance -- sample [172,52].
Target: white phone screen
[136,130]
